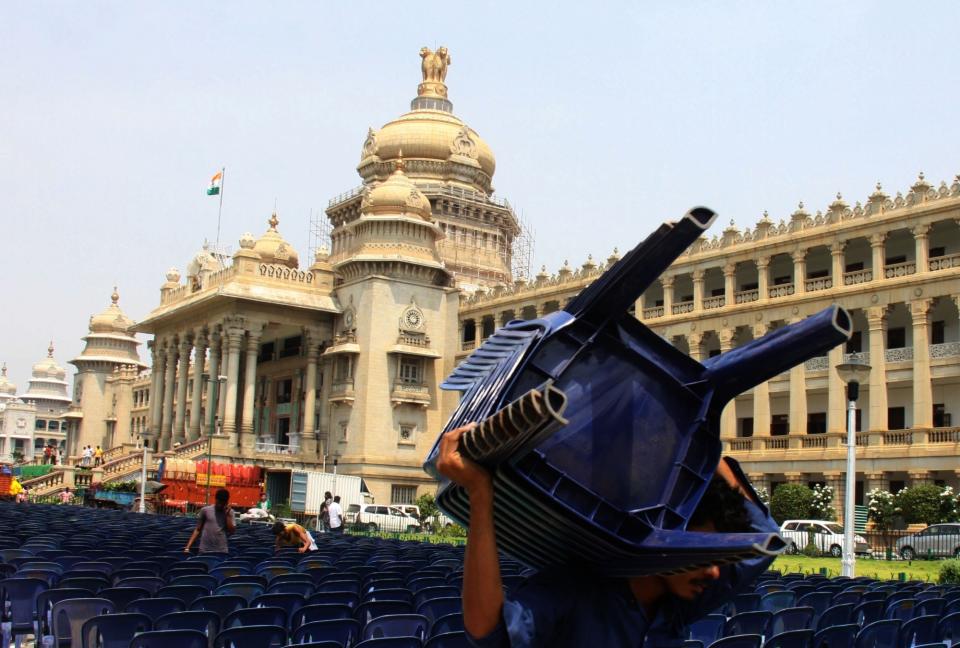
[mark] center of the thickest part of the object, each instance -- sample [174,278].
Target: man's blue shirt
[555,609]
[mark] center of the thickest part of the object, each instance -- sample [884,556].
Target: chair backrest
[838,635]
[113,630]
[156,607]
[846,597]
[69,615]
[778,600]
[47,598]
[879,634]
[186,593]
[819,601]
[396,594]
[167,638]
[320,612]
[949,628]
[221,604]
[390,642]
[451,640]
[365,612]
[706,629]
[203,580]
[202,620]
[397,625]
[259,636]
[919,630]
[150,583]
[868,612]
[343,598]
[790,639]
[933,606]
[739,641]
[303,588]
[454,623]
[748,623]
[835,615]
[901,609]
[122,596]
[344,631]
[787,619]
[248,591]
[257,616]
[436,608]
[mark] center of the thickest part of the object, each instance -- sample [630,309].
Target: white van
[377,517]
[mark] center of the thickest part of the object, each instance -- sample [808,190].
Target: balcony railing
[820,363]
[945,350]
[820,283]
[342,389]
[899,270]
[944,435]
[741,445]
[898,437]
[857,277]
[714,302]
[814,441]
[862,357]
[275,448]
[746,296]
[682,307]
[836,441]
[777,443]
[904,354]
[468,345]
[783,290]
[410,393]
[945,262]
[650,313]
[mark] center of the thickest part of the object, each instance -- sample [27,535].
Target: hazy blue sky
[605,120]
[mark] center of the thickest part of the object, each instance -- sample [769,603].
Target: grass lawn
[922,570]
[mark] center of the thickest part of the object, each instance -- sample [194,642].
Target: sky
[605,119]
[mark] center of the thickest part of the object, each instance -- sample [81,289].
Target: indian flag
[215,181]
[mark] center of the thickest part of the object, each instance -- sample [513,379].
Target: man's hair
[327,495]
[337,499]
[722,505]
[278,528]
[222,496]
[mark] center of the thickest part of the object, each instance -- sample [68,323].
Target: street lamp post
[214,424]
[145,436]
[852,373]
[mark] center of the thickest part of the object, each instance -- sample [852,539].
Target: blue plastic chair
[436,608]
[156,607]
[948,628]
[879,634]
[343,598]
[843,598]
[264,636]
[46,599]
[934,606]
[450,640]
[790,639]
[206,581]
[186,593]
[113,630]
[343,631]
[836,636]
[18,596]
[201,620]
[739,641]
[365,612]
[104,568]
[868,612]
[706,629]
[397,625]
[122,596]
[222,605]
[778,600]
[168,638]
[257,616]
[302,588]
[748,623]
[149,583]
[453,623]
[320,612]
[835,615]
[289,602]
[430,593]
[902,609]
[919,630]
[787,619]
[68,616]
[390,642]
[248,591]
[819,601]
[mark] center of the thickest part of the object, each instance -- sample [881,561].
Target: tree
[882,508]
[920,504]
[790,501]
[427,505]
[822,506]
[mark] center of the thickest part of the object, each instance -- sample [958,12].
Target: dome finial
[3,370]
[274,221]
[115,297]
[399,164]
[50,350]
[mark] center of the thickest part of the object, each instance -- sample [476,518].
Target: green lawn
[923,570]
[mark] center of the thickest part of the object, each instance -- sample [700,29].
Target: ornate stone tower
[105,370]
[453,167]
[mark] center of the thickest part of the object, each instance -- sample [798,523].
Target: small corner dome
[397,195]
[112,319]
[6,387]
[48,367]
[272,247]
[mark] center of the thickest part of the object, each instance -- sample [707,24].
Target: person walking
[87,457]
[214,524]
[336,516]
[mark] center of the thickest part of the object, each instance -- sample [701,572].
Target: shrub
[948,505]
[822,506]
[882,508]
[811,550]
[452,531]
[427,505]
[763,494]
[920,504]
[950,572]
[790,501]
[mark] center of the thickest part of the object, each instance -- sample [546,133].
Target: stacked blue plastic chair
[602,436]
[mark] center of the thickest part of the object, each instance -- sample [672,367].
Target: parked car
[827,536]
[936,541]
[377,517]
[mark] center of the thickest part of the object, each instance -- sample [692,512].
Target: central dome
[436,144]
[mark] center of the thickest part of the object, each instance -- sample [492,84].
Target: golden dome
[430,135]
[7,388]
[48,367]
[112,319]
[272,247]
[396,195]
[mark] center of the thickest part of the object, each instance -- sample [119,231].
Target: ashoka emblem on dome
[464,145]
[414,199]
[370,144]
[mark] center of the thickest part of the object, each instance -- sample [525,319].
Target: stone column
[837,265]
[697,289]
[199,363]
[728,418]
[312,340]
[254,332]
[876,480]
[234,336]
[798,397]
[799,271]
[879,254]
[213,395]
[639,306]
[477,332]
[877,326]
[156,387]
[759,480]
[793,477]
[694,339]
[920,237]
[837,481]
[180,421]
[761,396]
[763,277]
[922,384]
[729,284]
[920,477]
[836,396]
[166,426]
[667,282]
[224,362]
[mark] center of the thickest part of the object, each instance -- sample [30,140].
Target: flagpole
[223,182]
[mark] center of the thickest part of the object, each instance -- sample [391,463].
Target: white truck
[307,488]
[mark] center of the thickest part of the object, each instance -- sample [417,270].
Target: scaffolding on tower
[319,236]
